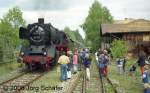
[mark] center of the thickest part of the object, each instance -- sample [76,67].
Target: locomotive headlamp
[22,53]
[45,53]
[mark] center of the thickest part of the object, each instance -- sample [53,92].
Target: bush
[119,48]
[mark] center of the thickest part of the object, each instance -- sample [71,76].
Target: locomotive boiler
[45,44]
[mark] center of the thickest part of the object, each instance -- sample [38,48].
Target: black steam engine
[45,44]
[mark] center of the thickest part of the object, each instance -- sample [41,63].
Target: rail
[24,79]
[84,82]
[103,81]
[102,84]
[109,81]
[2,83]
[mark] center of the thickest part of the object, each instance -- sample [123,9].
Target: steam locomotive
[45,44]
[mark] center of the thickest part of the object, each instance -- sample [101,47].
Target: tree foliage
[119,48]
[9,34]
[70,33]
[74,35]
[14,17]
[92,25]
[10,24]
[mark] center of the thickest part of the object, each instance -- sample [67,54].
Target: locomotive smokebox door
[23,33]
[41,20]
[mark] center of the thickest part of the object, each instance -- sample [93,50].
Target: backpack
[82,55]
[86,63]
[101,58]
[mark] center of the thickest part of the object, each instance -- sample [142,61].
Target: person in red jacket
[141,61]
[106,62]
[75,62]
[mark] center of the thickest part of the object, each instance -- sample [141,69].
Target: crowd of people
[103,60]
[144,66]
[144,70]
[72,62]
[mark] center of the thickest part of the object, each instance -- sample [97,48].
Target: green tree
[119,48]
[10,24]
[9,34]
[78,36]
[14,17]
[92,25]
[75,36]
[70,33]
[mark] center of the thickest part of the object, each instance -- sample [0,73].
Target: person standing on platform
[75,62]
[87,63]
[101,62]
[82,55]
[63,61]
[80,59]
[145,75]
[141,61]
[96,57]
[106,62]
[124,64]
[146,88]
[70,65]
[119,62]
[146,80]
[132,69]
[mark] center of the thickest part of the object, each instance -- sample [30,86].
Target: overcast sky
[72,13]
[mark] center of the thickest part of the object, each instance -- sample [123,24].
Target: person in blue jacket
[146,80]
[146,88]
[145,75]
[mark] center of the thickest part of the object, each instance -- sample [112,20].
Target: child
[146,88]
[145,75]
[120,65]
[145,80]
[132,69]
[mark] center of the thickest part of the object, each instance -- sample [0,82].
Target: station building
[135,31]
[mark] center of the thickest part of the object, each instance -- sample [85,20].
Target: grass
[9,70]
[126,83]
[47,83]
[109,88]
[8,67]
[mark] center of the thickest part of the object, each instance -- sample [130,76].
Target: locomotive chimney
[41,20]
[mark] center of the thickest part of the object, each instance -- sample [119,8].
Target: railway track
[20,82]
[88,86]
[105,81]
[109,82]
[102,84]
[80,85]
[2,83]
[96,84]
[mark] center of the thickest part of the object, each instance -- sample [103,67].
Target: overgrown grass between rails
[8,67]
[46,83]
[126,83]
